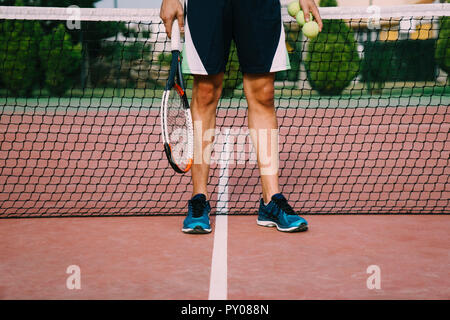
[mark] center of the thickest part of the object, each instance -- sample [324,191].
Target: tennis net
[364,115]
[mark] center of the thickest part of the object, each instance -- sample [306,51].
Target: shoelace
[284,205]
[197,208]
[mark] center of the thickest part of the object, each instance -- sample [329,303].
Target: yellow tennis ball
[311,29]
[293,8]
[300,17]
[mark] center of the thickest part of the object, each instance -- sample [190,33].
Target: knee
[265,95]
[261,93]
[207,93]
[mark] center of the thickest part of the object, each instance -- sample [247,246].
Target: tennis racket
[176,121]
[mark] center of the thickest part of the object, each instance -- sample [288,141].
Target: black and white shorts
[255,26]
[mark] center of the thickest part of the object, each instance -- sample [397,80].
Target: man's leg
[262,122]
[205,96]
[274,210]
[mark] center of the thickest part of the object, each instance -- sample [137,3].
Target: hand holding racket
[176,121]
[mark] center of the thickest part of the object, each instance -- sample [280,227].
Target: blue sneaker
[278,213]
[197,220]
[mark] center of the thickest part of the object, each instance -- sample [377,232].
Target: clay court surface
[149,258]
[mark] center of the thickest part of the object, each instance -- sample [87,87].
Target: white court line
[218,284]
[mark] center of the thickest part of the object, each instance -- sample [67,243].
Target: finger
[180,18]
[168,26]
[316,14]
[305,10]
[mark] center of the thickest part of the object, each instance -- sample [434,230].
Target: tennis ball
[311,29]
[293,8]
[300,17]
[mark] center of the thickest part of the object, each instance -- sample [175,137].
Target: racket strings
[178,129]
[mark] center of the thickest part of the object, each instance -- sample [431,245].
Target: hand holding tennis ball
[311,29]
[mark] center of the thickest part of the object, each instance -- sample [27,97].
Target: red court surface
[149,258]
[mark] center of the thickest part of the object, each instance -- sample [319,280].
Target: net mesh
[364,116]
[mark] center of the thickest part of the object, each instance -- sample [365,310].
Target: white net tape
[152,15]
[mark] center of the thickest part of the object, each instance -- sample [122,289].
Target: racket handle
[175,39]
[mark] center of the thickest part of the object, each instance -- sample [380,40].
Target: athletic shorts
[255,26]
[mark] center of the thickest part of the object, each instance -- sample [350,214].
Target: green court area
[287,96]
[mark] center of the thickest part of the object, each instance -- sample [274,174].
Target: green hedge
[398,61]
[443,45]
[332,61]
[19,55]
[60,60]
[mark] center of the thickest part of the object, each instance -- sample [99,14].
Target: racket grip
[175,39]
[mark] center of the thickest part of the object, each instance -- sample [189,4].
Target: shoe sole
[300,228]
[196,230]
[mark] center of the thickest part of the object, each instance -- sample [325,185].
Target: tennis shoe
[278,213]
[197,220]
